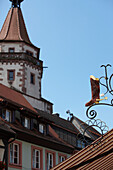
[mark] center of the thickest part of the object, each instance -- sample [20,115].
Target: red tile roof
[92,157]
[15,97]
[14,27]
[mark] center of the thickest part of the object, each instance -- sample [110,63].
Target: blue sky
[76,38]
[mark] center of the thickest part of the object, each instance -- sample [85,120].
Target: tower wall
[33,89]
[18,74]
[19,47]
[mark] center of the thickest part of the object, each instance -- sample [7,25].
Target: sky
[75,38]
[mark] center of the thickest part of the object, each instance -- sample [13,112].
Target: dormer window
[27,123]
[11,75]
[6,114]
[41,128]
[11,50]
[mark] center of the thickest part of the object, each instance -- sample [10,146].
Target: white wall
[32,89]
[4,74]
[19,47]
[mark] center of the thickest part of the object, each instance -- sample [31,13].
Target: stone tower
[20,66]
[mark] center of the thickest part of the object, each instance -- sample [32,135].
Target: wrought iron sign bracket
[92,114]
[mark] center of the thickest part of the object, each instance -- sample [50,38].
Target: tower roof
[16,3]
[14,28]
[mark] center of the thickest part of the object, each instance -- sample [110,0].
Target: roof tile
[15,97]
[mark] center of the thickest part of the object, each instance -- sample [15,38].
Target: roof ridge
[18,25]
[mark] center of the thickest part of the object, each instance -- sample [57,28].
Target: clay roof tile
[15,97]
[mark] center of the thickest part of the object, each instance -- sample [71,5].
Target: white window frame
[49,161]
[35,162]
[7,115]
[62,158]
[41,128]
[27,122]
[12,153]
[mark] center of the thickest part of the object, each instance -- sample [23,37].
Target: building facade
[43,139]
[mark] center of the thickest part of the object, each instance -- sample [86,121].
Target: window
[32,78]
[62,157]
[50,159]
[80,144]
[6,114]
[41,128]
[29,53]
[11,50]
[11,75]
[37,158]
[27,123]
[15,154]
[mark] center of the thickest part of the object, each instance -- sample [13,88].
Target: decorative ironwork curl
[91,114]
[89,124]
[107,85]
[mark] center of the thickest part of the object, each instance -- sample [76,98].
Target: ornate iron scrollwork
[91,114]
[87,126]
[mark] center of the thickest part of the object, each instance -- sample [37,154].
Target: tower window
[11,50]
[32,78]
[29,53]
[11,75]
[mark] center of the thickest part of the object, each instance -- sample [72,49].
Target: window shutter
[23,120]
[13,116]
[0,112]
[17,115]
[32,124]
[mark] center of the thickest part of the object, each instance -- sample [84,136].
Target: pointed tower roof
[14,28]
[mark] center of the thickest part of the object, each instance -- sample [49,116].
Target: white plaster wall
[3,74]
[6,46]
[19,47]
[41,105]
[26,47]
[32,89]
